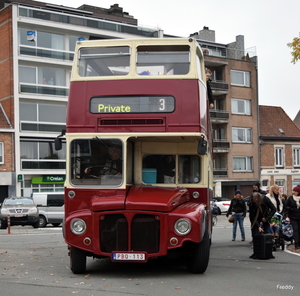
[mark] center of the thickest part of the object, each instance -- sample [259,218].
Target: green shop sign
[54,179]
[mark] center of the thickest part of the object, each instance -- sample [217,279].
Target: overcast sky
[266,25]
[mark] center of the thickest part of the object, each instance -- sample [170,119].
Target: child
[275,223]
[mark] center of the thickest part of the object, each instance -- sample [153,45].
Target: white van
[51,207]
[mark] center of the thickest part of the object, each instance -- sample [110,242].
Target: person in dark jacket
[256,188]
[261,210]
[238,210]
[208,88]
[292,207]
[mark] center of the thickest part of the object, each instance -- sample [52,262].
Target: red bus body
[134,220]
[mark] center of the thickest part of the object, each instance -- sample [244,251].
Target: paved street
[35,262]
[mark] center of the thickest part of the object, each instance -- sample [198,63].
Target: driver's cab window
[96,162]
[170,169]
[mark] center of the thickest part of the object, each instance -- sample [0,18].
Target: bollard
[8,224]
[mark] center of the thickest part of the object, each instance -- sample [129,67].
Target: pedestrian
[208,88]
[261,210]
[256,188]
[292,206]
[276,198]
[238,210]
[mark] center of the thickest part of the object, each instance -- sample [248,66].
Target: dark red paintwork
[185,118]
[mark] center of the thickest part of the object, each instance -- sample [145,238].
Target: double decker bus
[138,143]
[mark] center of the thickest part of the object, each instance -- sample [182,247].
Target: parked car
[22,211]
[222,203]
[51,207]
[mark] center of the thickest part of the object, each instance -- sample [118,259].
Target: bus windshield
[150,60]
[96,162]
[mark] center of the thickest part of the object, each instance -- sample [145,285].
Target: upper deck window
[163,60]
[104,61]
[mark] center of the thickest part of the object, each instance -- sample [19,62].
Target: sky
[267,26]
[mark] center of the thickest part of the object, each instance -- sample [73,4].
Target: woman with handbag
[237,209]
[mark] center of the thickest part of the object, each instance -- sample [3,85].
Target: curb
[290,252]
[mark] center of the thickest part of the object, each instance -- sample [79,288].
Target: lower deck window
[171,169]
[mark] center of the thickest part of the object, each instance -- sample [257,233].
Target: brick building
[279,149]
[235,115]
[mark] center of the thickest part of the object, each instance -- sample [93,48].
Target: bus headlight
[78,226]
[182,226]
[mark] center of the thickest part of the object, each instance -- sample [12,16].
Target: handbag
[231,219]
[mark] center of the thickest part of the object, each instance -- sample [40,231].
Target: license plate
[129,256]
[19,215]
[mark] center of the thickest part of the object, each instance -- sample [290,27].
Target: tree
[295,45]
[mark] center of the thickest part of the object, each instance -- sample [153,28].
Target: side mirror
[58,144]
[202,146]
[58,140]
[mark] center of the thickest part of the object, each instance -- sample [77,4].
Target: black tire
[36,224]
[42,221]
[219,211]
[77,260]
[198,255]
[55,224]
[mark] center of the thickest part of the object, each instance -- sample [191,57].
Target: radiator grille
[145,233]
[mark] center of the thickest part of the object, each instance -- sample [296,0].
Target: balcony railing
[229,52]
[46,53]
[33,164]
[221,146]
[219,87]
[220,172]
[43,89]
[219,116]
[89,22]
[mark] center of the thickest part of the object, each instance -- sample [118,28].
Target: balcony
[219,116]
[43,89]
[219,87]
[220,173]
[82,20]
[46,53]
[221,146]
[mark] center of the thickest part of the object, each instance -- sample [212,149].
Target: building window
[265,182]
[41,80]
[1,152]
[45,45]
[296,152]
[240,78]
[279,157]
[241,135]
[242,163]
[42,155]
[295,182]
[44,76]
[279,182]
[241,107]
[42,117]
[42,39]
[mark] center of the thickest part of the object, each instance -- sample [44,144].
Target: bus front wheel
[198,255]
[77,260]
